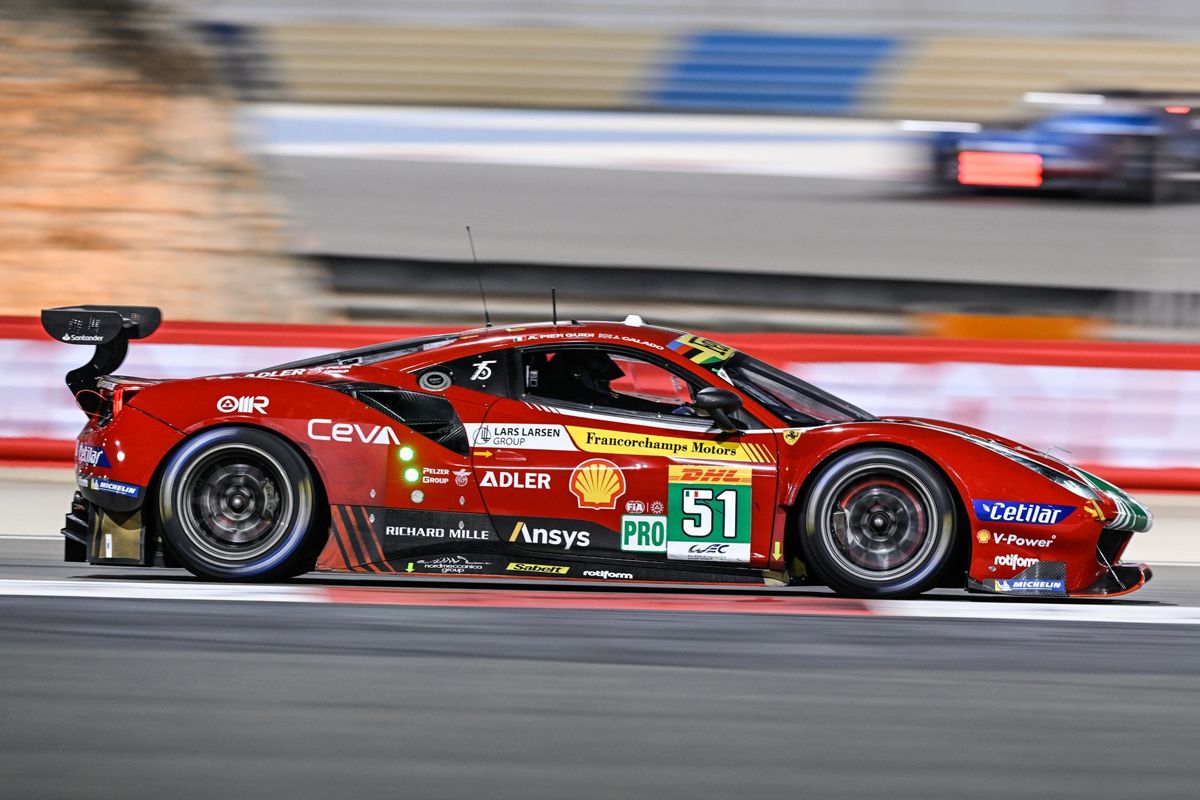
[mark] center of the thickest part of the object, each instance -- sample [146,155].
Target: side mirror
[718,404]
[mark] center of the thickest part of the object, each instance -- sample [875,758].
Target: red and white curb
[725,603]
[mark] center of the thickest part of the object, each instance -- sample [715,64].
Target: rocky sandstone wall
[121,180]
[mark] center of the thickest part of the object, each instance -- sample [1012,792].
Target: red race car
[593,451]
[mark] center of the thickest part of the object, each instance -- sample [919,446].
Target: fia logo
[483,370]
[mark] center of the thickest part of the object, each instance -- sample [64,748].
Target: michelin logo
[116,487]
[1030,585]
[1027,513]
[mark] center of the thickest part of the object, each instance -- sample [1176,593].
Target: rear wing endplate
[109,328]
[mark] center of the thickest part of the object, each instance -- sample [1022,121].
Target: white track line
[1083,612]
[1004,609]
[131,590]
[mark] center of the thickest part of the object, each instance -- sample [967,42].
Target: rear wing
[109,328]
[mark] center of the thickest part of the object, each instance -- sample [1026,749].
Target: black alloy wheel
[238,503]
[879,522]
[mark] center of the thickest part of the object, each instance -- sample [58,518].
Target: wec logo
[708,549]
[326,430]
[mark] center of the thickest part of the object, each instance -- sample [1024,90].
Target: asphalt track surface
[180,698]
[771,224]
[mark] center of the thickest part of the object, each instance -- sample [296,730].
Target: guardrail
[1130,412]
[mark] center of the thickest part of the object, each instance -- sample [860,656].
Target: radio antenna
[554,304]
[487,318]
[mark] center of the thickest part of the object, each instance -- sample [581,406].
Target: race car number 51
[698,513]
[708,516]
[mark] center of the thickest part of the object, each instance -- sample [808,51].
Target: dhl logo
[721,475]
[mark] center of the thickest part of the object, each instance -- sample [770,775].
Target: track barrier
[1129,411]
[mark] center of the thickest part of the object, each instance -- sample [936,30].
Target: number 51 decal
[708,516]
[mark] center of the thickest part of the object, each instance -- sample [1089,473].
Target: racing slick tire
[879,522]
[239,503]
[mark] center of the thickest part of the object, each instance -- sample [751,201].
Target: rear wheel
[239,504]
[879,523]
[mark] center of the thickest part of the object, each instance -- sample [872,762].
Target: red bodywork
[358,453]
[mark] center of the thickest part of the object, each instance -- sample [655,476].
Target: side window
[613,379]
[650,382]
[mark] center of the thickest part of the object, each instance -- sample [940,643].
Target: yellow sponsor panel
[592,440]
[541,569]
[690,473]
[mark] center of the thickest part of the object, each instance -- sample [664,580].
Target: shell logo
[983,537]
[597,483]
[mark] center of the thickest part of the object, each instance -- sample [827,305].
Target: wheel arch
[150,510]
[960,558]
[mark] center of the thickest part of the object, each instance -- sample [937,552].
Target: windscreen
[788,397]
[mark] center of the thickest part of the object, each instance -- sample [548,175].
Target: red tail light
[118,400]
[1000,169]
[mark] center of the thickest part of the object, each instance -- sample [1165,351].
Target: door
[599,455]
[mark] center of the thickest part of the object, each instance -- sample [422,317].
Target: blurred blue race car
[1142,146]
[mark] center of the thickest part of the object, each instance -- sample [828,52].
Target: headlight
[1065,481]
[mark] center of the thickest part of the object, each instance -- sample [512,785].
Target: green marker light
[412,474]
[406,453]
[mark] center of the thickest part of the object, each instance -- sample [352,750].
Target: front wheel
[239,504]
[879,523]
